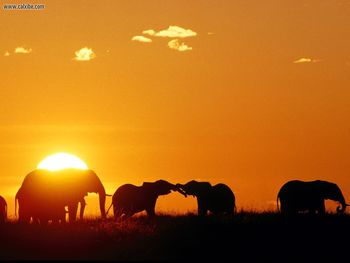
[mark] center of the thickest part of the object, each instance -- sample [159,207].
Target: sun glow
[60,161]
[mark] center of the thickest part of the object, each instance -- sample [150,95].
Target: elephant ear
[205,187]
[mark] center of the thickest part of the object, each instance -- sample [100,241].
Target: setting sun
[60,161]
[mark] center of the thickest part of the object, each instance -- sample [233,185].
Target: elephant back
[127,193]
[297,189]
[49,190]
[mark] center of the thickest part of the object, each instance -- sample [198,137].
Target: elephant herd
[44,195]
[130,199]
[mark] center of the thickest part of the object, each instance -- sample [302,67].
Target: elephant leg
[322,208]
[202,208]
[60,216]
[72,210]
[151,212]
[82,208]
[24,219]
[288,208]
[37,220]
[23,215]
[128,213]
[202,211]
[117,213]
[283,208]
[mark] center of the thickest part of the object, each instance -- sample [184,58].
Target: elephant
[3,210]
[308,196]
[44,194]
[129,199]
[218,199]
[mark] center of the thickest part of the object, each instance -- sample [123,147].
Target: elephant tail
[109,208]
[16,201]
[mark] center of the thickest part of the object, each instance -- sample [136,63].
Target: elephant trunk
[102,196]
[341,208]
[178,188]
[97,187]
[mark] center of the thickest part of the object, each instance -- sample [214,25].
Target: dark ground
[248,237]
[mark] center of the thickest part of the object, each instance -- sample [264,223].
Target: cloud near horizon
[22,50]
[175,44]
[142,39]
[306,60]
[171,31]
[84,54]
[7,54]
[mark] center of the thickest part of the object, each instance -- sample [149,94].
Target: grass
[248,236]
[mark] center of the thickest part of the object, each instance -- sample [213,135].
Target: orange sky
[237,108]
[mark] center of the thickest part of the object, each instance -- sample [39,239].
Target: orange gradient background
[235,109]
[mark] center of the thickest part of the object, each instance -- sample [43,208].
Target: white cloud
[22,50]
[142,39]
[306,60]
[175,44]
[84,54]
[150,32]
[7,54]
[176,31]
[171,31]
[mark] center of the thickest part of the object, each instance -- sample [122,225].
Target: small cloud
[150,32]
[7,54]
[176,31]
[175,44]
[171,31]
[142,39]
[211,33]
[84,54]
[22,50]
[306,60]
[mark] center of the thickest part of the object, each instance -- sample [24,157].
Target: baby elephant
[218,199]
[129,199]
[3,210]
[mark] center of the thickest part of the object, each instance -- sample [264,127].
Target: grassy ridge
[247,236]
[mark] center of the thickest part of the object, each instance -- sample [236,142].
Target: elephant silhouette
[44,194]
[129,199]
[3,210]
[308,196]
[54,211]
[218,199]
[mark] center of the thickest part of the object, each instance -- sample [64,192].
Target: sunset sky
[249,93]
